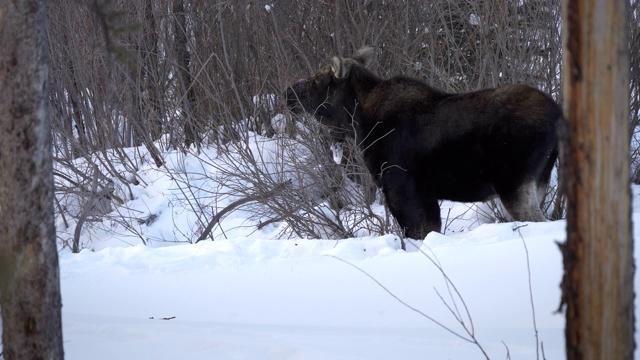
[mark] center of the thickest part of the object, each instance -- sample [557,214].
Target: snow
[144,290]
[474,19]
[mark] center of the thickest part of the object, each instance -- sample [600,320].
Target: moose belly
[465,188]
[464,176]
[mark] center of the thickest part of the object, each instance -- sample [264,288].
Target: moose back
[423,145]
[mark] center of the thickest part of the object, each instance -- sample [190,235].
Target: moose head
[328,95]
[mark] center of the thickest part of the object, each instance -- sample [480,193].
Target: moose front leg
[417,215]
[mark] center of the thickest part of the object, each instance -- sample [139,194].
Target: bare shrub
[295,181]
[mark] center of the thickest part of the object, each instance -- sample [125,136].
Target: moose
[423,145]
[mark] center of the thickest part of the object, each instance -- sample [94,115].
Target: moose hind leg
[545,175]
[541,189]
[523,203]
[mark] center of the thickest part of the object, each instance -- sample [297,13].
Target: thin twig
[402,301]
[533,308]
[507,349]
[450,285]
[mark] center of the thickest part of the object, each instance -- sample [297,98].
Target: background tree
[29,278]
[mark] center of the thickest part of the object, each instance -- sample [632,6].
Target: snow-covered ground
[490,288]
[317,299]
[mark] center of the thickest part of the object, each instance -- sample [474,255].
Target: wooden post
[598,255]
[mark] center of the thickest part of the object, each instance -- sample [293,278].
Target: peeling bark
[597,288]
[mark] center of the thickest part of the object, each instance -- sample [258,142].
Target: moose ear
[365,55]
[339,67]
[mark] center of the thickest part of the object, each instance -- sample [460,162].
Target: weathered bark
[29,279]
[184,60]
[149,55]
[598,256]
[146,122]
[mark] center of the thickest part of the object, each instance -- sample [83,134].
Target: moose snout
[296,95]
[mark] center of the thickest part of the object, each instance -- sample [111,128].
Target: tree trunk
[598,255]
[152,84]
[29,278]
[189,113]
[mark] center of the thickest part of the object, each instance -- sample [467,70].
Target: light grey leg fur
[542,192]
[525,205]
